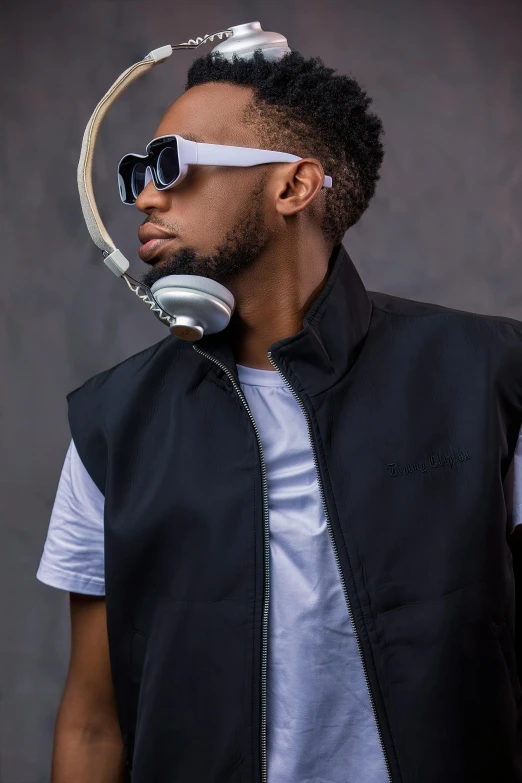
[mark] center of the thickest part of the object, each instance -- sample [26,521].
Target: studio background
[444,227]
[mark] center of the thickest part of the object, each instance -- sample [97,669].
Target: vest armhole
[88,432]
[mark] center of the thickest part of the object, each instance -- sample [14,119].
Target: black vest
[414,412]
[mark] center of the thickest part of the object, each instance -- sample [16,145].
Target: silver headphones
[190,305]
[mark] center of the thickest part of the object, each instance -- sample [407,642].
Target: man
[288,545]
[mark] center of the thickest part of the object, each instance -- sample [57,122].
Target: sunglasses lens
[123,190]
[167,166]
[138,178]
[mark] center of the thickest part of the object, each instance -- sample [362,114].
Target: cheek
[207,213]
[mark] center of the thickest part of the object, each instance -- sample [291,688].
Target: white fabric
[320,726]
[73,556]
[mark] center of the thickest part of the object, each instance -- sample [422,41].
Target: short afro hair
[303,107]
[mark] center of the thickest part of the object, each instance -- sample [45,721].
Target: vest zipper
[350,613]
[266,543]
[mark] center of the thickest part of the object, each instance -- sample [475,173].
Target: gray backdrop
[446,77]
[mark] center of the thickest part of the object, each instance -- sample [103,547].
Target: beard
[241,247]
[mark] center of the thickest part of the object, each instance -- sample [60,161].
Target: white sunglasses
[168,158]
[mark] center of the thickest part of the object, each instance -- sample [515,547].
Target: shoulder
[107,389]
[411,309]
[132,365]
[96,406]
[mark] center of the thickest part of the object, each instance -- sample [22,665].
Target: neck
[273,296]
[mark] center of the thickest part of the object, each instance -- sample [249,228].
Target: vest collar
[334,328]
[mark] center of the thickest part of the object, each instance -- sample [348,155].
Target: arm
[88,746]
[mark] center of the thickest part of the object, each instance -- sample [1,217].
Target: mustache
[172,228]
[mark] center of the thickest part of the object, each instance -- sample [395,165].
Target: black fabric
[415,411]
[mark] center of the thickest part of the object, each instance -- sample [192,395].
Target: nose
[150,198]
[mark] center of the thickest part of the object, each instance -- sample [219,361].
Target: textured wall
[445,227]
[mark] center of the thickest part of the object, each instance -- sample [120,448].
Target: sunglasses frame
[194,153]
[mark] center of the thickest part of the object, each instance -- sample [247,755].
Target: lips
[154,246]
[153,240]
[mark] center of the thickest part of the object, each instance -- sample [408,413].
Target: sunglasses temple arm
[113,258]
[223,155]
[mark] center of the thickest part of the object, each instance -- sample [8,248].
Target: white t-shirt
[324,732]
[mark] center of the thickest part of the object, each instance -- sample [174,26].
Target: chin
[155,273]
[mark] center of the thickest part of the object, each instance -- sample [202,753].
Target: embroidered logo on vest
[435,461]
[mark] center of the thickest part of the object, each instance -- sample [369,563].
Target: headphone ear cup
[198,304]
[205,285]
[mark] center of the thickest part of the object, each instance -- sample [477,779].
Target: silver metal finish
[195,43]
[266,542]
[196,304]
[143,292]
[187,328]
[246,38]
[336,554]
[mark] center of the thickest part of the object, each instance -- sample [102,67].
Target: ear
[300,185]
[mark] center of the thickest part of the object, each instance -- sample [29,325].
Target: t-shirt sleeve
[73,555]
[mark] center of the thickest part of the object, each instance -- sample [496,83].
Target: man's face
[217,213]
